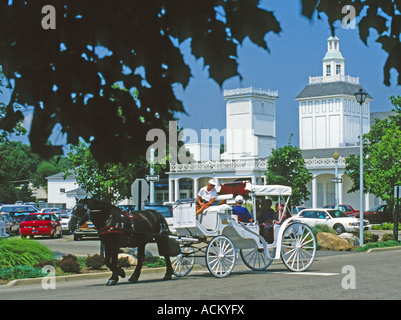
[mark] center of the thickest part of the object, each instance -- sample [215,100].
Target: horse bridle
[87,213]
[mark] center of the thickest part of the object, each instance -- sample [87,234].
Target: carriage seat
[208,218]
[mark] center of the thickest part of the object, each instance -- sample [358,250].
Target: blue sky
[295,54]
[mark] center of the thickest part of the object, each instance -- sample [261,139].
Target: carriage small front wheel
[298,247]
[220,256]
[184,262]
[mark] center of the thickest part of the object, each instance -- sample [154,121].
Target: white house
[63,192]
[329,121]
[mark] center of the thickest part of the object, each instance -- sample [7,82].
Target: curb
[86,276]
[384,249]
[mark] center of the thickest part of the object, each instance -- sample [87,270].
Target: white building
[329,121]
[250,136]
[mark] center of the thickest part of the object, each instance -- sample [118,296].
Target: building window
[338,69]
[328,70]
[62,190]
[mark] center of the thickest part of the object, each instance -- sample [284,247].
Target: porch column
[176,189]
[314,192]
[170,190]
[196,187]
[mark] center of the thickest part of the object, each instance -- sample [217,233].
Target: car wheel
[339,229]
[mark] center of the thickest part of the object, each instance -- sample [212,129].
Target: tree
[286,166]
[381,157]
[109,182]
[69,73]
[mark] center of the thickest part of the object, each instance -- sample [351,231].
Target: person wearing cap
[206,196]
[242,212]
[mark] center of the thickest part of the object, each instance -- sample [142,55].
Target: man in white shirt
[206,196]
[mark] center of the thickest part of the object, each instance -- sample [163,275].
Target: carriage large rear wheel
[298,247]
[220,256]
[255,259]
[184,262]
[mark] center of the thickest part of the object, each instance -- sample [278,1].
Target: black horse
[117,229]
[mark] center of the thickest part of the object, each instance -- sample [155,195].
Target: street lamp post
[361,98]
[336,155]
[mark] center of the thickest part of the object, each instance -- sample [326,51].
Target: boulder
[352,239]
[332,242]
[131,259]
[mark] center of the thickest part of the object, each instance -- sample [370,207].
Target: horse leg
[141,256]
[169,268]
[116,272]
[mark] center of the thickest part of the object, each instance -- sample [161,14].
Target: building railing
[250,90]
[333,78]
[227,165]
[248,164]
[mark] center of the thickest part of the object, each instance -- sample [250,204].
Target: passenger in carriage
[266,216]
[242,212]
[206,196]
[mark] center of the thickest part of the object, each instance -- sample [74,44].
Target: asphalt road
[346,276]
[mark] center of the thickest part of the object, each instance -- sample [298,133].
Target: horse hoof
[167,277]
[111,283]
[133,279]
[121,273]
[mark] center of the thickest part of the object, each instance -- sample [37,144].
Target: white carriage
[220,238]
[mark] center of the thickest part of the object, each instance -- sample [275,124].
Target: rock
[131,260]
[134,252]
[352,239]
[332,242]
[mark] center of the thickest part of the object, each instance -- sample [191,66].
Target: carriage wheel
[220,256]
[298,247]
[255,259]
[184,262]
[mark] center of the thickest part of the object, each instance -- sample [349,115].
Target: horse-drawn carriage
[218,236]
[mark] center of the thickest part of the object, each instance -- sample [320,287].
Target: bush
[123,262]
[322,228]
[154,262]
[383,244]
[20,272]
[94,262]
[369,237]
[14,252]
[70,264]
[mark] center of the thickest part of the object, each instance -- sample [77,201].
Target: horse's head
[79,215]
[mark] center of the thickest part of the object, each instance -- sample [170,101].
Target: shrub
[20,272]
[69,263]
[388,237]
[322,228]
[94,262]
[382,244]
[154,262]
[370,237]
[16,251]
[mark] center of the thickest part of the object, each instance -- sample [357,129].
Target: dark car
[377,215]
[347,209]
[86,230]
[18,211]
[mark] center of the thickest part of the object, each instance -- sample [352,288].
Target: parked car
[347,209]
[12,225]
[297,209]
[377,215]
[44,224]
[86,230]
[335,219]
[18,211]
[3,232]
[128,207]
[166,211]
[65,219]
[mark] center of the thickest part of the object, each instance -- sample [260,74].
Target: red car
[41,224]
[345,208]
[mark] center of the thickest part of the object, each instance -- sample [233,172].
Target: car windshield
[21,215]
[17,209]
[337,214]
[164,210]
[374,209]
[39,217]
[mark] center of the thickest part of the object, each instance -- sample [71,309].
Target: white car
[65,219]
[335,219]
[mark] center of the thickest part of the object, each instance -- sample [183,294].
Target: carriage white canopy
[270,190]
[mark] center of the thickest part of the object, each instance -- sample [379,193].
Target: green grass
[380,244]
[22,252]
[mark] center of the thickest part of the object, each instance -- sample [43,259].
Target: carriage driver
[206,196]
